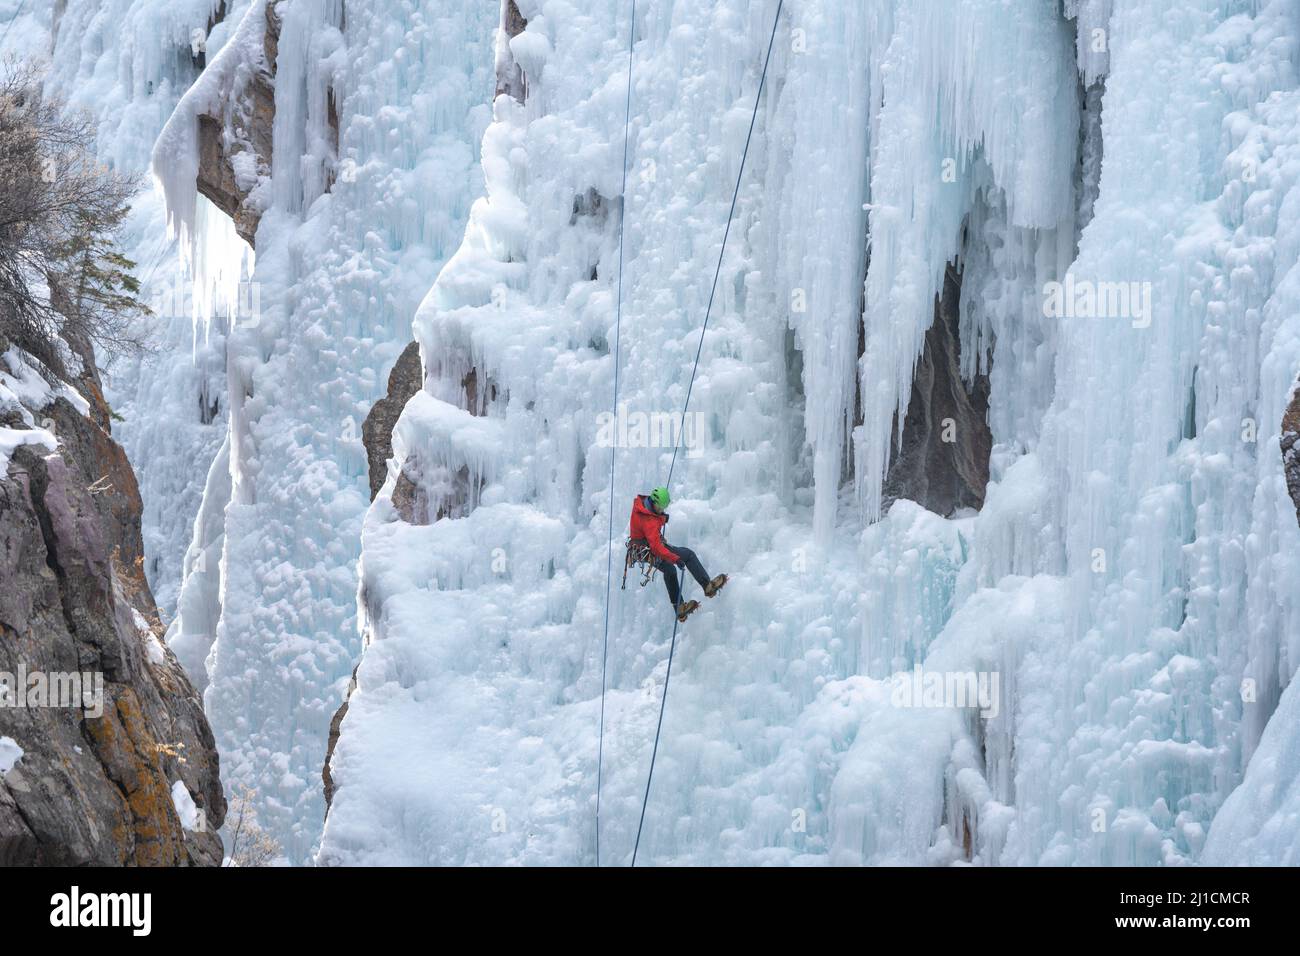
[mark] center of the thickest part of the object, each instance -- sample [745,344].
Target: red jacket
[648,527]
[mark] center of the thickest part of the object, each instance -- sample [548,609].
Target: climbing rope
[645,800]
[613,446]
[10,25]
[721,252]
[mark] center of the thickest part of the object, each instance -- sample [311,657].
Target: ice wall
[770,685]
[127,63]
[348,241]
[1145,499]
[26,28]
[1246,296]
[979,103]
[411,89]
[1127,579]
[1122,580]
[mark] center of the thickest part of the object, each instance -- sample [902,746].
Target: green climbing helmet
[660,497]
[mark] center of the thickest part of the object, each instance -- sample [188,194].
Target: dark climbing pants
[670,572]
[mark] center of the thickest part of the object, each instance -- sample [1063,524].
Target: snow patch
[186,809]
[10,754]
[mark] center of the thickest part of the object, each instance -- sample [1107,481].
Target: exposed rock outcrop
[425,492]
[235,137]
[1291,447]
[336,727]
[377,430]
[198,44]
[510,78]
[113,758]
[943,462]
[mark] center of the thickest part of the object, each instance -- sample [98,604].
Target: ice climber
[646,531]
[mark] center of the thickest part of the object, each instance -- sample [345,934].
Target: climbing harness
[672,647]
[639,555]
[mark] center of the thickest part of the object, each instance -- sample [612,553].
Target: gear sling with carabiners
[639,555]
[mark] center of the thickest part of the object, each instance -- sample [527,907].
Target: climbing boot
[685,609]
[714,586]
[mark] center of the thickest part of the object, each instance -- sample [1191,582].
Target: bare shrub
[63,278]
[250,845]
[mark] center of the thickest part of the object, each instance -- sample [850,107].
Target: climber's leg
[670,580]
[692,564]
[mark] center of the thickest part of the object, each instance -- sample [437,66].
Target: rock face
[1291,447]
[336,727]
[377,430]
[108,766]
[425,492]
[510,78]
[943,463]
[235,138]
